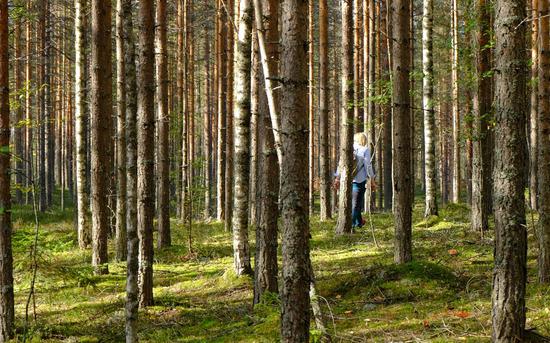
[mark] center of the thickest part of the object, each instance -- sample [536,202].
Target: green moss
[439,297]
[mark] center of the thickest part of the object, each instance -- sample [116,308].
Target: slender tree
[145,145]
[510,270]
[544,144]
[163,156]
[402,173]
[346,123]
[243,53]
[101,109]
[266,268]
[311,105]
[455,99]
[533,132]
[294,186]
[387,120]
[121,241]
[81,126]
[6,263]
[428,107]
[221,60]
[481,164]
[132,290]
[324,158]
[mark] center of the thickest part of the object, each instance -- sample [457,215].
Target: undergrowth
[442,296]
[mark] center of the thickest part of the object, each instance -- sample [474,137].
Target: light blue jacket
[364,164]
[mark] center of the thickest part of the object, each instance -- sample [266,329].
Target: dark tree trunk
[163,157]
[544,145]
[402,173]
[324,157]
[510,271]
[481,171]
[101,112]
[346,123]
[146,141]
[6,263]
[266,268]
[294,181]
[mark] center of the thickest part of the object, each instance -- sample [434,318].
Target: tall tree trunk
[311,105]
[229,134]
[544,145]
[456,114]
[254,129]
[207,131]
[101,109]
[481,164]
[163,156]
[243,53]
[387,141]
[324,157]
[533,133]
[146,152]
[402,173]
[346,123]
[81,126]
[29,154]
[18,129]
[48,119]
[266,268]
[428,107]
[294,186]
[510,271]
[121,240]
[222,108]
[132,290]
[6,263]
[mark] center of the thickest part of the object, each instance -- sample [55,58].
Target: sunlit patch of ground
[443,296]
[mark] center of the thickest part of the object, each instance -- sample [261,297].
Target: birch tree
[243,53]
[428,108]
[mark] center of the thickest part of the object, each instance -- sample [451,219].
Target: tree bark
[456,113]
[387,130]
[121,241]
[18,129]
[481,164]
[243,53]
[294,185]
[533,133]
[207,132]
[402,174]
[343,225]
[544,145]
[311,106]
[510,270]
[101,112]
[324,157]
[428,108]
[222,109]
[266,268]
[229,134]
[145,158]
[132,290]
[6,263]
[163,155]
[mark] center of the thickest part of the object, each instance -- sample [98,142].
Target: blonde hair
[360,138]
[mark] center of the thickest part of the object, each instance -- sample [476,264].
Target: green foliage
[439,297]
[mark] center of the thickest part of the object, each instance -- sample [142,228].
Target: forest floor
[443,296]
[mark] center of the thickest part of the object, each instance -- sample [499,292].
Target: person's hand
[373,185]
[336,184]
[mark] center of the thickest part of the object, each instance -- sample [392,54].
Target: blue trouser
[357,203]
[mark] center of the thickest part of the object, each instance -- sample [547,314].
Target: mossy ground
[443,296]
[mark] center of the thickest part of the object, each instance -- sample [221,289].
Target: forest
[265,170]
